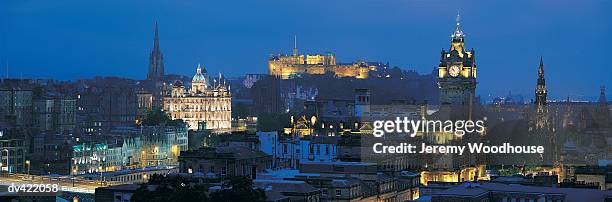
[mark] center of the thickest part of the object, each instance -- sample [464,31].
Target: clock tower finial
[458,34]
[458,19]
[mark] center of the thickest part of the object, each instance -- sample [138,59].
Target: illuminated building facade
[204,106]
[13,152]
[296,65]
[457,72]
[133,148]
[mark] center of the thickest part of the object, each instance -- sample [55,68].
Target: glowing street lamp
[74,172]
[28,164]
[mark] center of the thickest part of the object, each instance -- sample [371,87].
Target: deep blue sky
[79,39]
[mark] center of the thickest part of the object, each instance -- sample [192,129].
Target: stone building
[204,105]
[105,102]
[56,113]
[13,152]
[225,162]
[16,103]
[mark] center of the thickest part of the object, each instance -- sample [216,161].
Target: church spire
[156,59]
[156,39]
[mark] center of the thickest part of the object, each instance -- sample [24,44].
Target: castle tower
[457,71]
[156,60]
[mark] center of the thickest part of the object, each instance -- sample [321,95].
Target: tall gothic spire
[541,71]
[540,92]
[156,59]
[156,39]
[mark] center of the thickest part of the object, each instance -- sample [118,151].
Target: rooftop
[571,194]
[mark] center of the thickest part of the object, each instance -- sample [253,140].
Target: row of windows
[311,148]
[11,143]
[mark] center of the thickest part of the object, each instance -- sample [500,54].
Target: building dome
[200,75]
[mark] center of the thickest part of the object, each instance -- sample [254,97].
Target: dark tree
[273,122]
[157,116]
[241,190]
[176,188]
[162,189]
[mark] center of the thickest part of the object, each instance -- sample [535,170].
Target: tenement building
[296,65]
[225,161]
[204,105]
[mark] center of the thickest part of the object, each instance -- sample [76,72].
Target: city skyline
[399,100]
[237,41]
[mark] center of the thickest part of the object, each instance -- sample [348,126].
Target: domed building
[204,105]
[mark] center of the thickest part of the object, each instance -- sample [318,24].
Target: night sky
[80,39]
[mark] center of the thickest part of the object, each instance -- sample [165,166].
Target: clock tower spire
[457,71]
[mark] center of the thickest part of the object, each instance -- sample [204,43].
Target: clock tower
[457,72]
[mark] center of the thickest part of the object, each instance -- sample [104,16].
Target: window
[338,192]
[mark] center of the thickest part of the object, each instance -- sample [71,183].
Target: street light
[100,169]
[74,172]
[28,164]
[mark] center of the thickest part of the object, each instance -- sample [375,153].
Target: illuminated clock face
[454,71]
